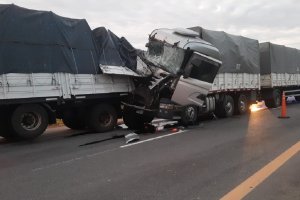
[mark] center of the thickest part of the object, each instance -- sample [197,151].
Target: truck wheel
[72,120]
[189,115]
[275,99]
[102,118]
[225,107]
[135,121]
[29,121]
[241,104]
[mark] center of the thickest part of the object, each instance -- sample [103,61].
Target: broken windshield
[165,56]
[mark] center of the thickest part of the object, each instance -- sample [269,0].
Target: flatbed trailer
[53,70]
[47,87]
[251,71]
[29,102]
[280,71]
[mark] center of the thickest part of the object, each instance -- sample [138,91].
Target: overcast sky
[277,21]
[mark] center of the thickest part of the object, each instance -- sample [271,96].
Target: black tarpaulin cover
[113,50]
[42,42]
[279,59]
[238,54]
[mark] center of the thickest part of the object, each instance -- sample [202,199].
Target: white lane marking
[151,139]
[65,162]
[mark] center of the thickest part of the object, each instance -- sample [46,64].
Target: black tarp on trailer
[238,54]
[42,42]
[279,59]
[113,50]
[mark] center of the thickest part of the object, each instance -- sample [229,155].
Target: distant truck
[279,71]
[250,72]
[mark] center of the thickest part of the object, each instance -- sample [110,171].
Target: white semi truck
[184,67]
[249,72]
[198,90]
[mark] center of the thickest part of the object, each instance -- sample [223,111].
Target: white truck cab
[184,69]
[183,53]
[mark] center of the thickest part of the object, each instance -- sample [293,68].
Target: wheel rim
[105,119]
[190,112]
[228,107]
[242,106]
[31,121]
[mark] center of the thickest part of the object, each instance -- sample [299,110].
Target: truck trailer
[50,68]
[251,71]
[280,71]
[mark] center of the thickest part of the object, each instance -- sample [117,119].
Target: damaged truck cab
[183,69]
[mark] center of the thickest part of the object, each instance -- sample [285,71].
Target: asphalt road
[203,162]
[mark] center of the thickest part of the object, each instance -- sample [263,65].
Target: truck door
[196,82]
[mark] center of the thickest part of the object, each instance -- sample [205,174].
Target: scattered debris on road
[132,137]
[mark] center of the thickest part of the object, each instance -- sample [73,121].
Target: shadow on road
[103,140]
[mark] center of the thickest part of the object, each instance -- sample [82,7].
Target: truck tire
[135,121]
[275,100]
[102,118]
[241,104]
[225,107]
[28,121]
[73,120]
[189,115]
